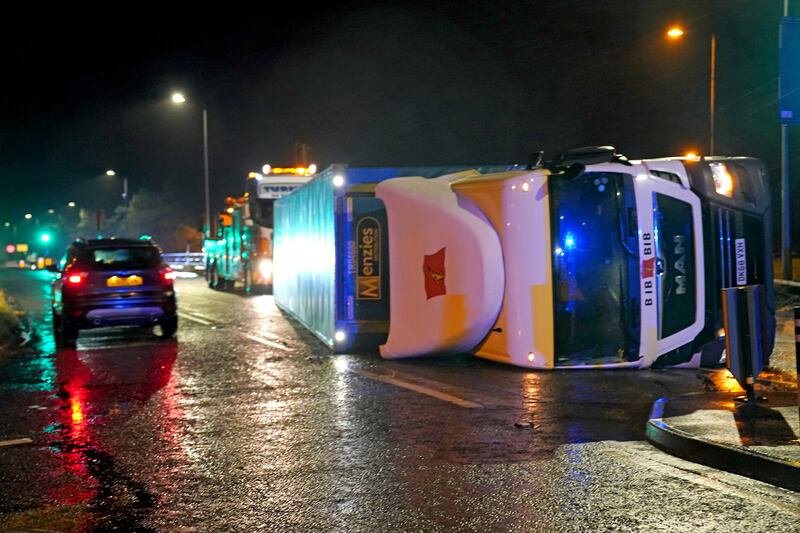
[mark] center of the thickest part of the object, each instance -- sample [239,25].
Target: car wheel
[169,326]
[56,328]
[69,333]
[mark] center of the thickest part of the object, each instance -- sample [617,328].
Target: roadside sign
[789,71]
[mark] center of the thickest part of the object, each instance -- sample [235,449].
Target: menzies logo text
[368,231]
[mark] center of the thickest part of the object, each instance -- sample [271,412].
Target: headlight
[265,268]
[723,182]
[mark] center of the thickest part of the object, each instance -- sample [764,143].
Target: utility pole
[786,203]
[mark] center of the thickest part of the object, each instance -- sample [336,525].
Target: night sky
[394,83]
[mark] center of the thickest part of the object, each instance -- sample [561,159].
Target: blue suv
[113,282]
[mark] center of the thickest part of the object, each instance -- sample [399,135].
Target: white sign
[270,191]
[741,263]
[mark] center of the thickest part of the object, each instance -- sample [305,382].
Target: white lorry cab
[588,261]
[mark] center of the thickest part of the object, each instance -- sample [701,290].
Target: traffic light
[44,237]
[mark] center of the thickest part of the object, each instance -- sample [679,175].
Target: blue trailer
[331,263]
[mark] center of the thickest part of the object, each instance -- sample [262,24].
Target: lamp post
[124,185]
[179,99]
[675,33]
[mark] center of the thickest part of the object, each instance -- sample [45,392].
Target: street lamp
[124,186]
[179,99]
[676,32]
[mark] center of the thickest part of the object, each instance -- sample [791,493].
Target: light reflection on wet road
[245,423]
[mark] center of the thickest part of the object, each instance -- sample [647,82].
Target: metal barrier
[744,312]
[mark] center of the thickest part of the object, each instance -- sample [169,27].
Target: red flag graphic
[648,267]
[433,269]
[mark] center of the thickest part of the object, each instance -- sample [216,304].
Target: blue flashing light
[569,242]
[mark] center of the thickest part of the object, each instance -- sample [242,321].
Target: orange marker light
[675,32]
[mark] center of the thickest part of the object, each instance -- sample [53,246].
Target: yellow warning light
[675,32]
[297,171]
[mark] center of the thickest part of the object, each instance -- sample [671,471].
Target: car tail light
[75,278]
[167,275]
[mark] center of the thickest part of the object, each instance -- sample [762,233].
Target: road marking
[269,335]
[15,442]
[707,477]
[194,319]
[419,388]
[84,347]
[206,321]
[201,315]
[265,342]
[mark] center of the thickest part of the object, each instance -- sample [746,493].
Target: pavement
[759,440]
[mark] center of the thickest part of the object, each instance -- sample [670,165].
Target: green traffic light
[44,237]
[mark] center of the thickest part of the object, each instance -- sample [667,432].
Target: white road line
[265,342]
[15,442]
[269,335]
[83,347]
[419,388]
[202,319]
[201,315]
[194,319]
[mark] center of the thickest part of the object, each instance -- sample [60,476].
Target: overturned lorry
[587,261]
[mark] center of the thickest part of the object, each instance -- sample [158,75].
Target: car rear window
[121,258]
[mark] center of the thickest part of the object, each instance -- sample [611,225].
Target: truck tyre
[169,326]
[248,279]
[213,280]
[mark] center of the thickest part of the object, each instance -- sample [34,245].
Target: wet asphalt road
[247,423]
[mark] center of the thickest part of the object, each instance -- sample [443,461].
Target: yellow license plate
[123,281]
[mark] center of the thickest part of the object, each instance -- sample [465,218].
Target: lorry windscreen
[595,268]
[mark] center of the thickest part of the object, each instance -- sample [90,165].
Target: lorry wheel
[248,280]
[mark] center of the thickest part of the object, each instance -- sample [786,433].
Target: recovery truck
[587,261]
[242,250]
